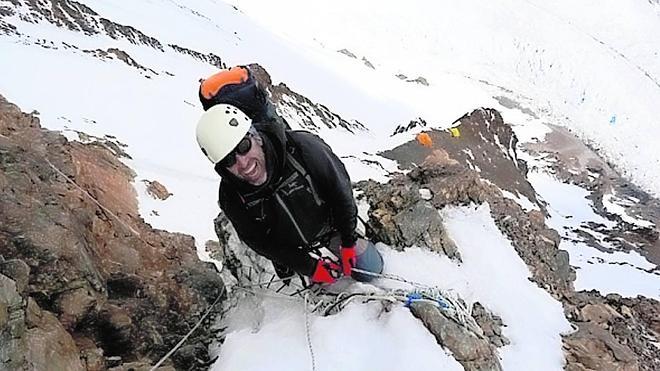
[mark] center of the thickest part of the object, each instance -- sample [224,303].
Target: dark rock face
[419,122]
[80,269]
[490,324]
[287,100]
[401,218]
[484,144]
[78,17]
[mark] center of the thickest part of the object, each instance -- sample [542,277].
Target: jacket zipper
[293,220]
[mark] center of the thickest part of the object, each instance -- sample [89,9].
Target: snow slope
[592,65]
[492,274]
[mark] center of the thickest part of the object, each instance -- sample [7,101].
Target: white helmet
[220,129]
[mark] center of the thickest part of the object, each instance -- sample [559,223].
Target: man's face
[251,167]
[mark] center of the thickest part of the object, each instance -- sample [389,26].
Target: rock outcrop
[82,276]
[612,333]
[293,106]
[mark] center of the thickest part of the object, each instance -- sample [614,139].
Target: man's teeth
[251,169]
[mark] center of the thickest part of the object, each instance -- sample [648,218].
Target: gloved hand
[326,271]
[348,259]
[283,272]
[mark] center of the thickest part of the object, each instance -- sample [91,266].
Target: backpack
[236,86]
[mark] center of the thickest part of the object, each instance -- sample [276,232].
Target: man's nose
[241,160]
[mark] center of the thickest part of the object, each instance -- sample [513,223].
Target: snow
[616,206]
[361,338]
[579,64]
[613,271]
[521,200]
[493,274]
[358,338]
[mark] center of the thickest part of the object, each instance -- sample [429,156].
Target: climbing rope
[183,340]
[308,333]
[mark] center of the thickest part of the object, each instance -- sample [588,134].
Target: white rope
[308,334]
[176,347]
[92,198]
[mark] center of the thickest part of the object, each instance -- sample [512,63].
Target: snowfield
[491,273]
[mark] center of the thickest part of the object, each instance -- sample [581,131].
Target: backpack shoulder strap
[292,150]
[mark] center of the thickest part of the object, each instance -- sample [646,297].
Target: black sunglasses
[241,148]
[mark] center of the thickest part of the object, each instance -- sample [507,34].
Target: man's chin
[257,181]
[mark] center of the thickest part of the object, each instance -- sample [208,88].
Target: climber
[287,195]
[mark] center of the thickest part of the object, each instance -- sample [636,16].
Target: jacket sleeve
[334,185]
[255,236]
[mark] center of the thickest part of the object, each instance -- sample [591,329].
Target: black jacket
[307,194]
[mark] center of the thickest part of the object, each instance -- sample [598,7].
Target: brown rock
[69,212]
[472,350]
[439,157]
[594,348]
[156,190]
[73,305]
[598,313]
[49,346]
[18,271]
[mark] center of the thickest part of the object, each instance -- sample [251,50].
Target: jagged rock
[597,313]
[293,106]
[367,63]
[12,325]
[473,351]
[420,80]
[486,144]
[78,17]
[632,324]
[596,349]
[74,305]
[491,325]
[241,263]
[18,271]
[454,170]
[92,357]
[401,218]
[69,211]
[209,58]
[419,122]
[157,190]
[48,345]
[421,225]
[347,53]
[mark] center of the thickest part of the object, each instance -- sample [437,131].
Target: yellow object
[455,132]
[425,140]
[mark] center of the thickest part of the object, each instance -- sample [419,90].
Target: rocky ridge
[78,17]
[297,108]
[82,277]
[611,332]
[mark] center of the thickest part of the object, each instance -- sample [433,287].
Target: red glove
[326,271]
[348,259]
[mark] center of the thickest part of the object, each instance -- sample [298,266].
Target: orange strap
[212,85]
